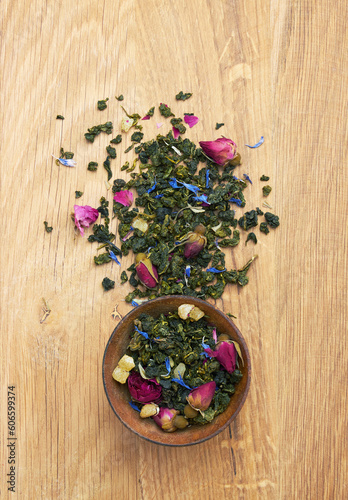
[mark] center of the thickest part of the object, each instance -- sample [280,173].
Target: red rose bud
[220,151]
[146,271]
[201,397]
[196,242]
[143,390]
[164,419]
[226,355]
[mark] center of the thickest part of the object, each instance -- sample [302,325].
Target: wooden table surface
[272,69]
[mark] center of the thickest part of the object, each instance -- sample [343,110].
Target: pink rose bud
[143,390]
[196,242]
[201,397]
[226,355]
[84,216]
[146,271]
[220,151]
[164,419]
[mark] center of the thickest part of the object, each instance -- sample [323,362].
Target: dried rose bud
[221,151]
[143,391]
[146,271]
[201,397]
[164,419]
[226,355]
[149,410]
[196,242]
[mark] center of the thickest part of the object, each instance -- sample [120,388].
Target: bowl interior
[118,394]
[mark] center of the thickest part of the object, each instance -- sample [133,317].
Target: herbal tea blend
[176,212]
[179,370]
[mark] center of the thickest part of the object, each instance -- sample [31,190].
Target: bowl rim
[248,374]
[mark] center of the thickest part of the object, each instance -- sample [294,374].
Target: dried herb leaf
[97,129]
[60,117]
[266,190]
[117,139]
[108,284]
[219,125]
[48,228]
[251,237]
[272,220]
[102,104]
[92,166]
[183,97]
[78,194]
[264,178]
[120,97]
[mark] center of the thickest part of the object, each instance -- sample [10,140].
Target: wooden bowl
[118,394]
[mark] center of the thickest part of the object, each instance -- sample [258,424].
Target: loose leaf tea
[178,366]
[182,97]
[92,166]
[48,228]
[266,190]
[108,284]
[102,104]
[97,129]
[78,194]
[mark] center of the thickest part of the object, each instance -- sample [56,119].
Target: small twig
[115,314]
[46,309]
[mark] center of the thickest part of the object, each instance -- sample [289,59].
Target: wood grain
[277,69]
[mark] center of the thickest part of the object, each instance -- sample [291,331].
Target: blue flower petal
[134,304]
[207,178]
[188,271]
[247,178]
[152,188]
[113,256]
[236,200]
[214,270]
[144,334]
[202,197]
[174,184]
[159,196]
[206,346]
[168,366]
[181,382]
[261,141]
[134,406]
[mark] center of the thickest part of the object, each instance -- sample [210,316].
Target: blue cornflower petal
[181,382]
[247,178]
[174,183]
[144,334]
[67,163]
[191,187]
[113,256]
[236,200]
[134,406]
[134,304]
[152,188]
[159,196]
[188,271]
[168,365]
[202,197]
[206,346]
[261,141]
[214,270]
[207,178]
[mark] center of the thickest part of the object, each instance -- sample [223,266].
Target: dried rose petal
[220,151]
[124,197]
[201,397]
[143,391]
[191,120]
[176,132]
[84,216]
